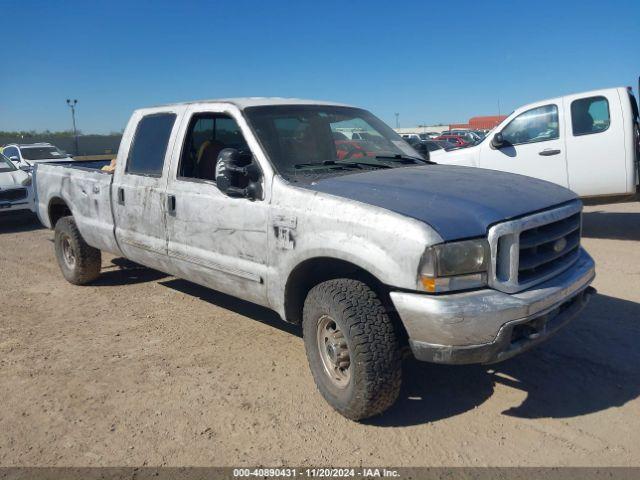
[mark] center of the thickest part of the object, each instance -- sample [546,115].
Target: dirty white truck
[371,249]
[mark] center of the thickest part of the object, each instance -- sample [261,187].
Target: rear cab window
[590,115]
[149,146]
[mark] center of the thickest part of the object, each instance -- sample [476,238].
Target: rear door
[595,142]
[533,144]
[139,186]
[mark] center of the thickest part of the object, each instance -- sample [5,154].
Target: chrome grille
[13,194]
[532,249]
[544,248]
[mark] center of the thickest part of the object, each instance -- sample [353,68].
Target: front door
[533,146]
[213,239]
[138,189]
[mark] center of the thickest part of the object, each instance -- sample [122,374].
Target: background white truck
[371,250]
[587,142]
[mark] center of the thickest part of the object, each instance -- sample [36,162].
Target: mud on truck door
[213,239]
[139,188]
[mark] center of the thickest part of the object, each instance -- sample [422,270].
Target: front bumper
[487,326]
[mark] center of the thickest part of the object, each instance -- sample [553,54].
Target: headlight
[455,266]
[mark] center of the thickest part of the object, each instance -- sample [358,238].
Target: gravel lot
[145,369]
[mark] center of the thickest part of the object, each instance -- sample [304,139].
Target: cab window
[208,134]
[590,115]
[536,125]
[146,156]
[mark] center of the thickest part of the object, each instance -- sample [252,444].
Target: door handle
[171,203]
[121,195]
[548,152]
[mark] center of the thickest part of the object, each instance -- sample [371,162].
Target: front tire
[352,348]
[79,262]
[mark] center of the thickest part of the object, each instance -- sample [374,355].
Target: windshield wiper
[405,159]
[334,164]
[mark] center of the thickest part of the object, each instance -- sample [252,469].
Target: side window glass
[146,156]
[207,136]
[535,125]
[10,152]
[590,115]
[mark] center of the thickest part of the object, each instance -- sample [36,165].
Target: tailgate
[86,192]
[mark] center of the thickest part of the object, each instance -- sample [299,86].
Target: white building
[421,129]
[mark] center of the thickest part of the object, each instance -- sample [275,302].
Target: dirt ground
[145,369]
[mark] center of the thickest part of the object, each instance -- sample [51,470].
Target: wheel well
[311,272]
[58,208]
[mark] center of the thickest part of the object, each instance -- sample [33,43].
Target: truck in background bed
[371,248]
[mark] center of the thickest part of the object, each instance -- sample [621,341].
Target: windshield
[308,140]
[6,165]
[41,153]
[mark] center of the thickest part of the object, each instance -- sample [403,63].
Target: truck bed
[85,190]
[82,164]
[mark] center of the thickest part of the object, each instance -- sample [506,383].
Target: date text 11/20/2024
[316,472]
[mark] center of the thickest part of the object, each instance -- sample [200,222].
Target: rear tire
[352,348]
[79,262]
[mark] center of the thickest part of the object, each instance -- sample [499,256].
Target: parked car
[411,137]
[16,192]
[433,145]
[248,197]
[467,135]
[33,153]
[429,135]
[587,142]
[425,147]
[454,140]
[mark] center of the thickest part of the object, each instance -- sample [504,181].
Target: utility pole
[397,120]
[72,104]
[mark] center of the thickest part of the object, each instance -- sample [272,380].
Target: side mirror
[14,159]
[237,175]
[497,141]
[26,168]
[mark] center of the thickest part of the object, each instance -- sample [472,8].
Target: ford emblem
[560,245]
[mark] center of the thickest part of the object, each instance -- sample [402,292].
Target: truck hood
[458,202]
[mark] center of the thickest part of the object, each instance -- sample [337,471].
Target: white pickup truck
[588,142]
[371,249]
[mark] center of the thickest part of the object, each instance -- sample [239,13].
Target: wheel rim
[68,254]
[334,351]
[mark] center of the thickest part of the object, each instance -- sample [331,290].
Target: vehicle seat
[582,121]
[207,159]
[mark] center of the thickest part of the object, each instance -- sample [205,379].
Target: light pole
[72,104]
[397,120]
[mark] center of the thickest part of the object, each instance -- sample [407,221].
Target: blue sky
[429,62]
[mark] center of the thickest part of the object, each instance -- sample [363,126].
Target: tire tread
[89,259]
[373,340]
